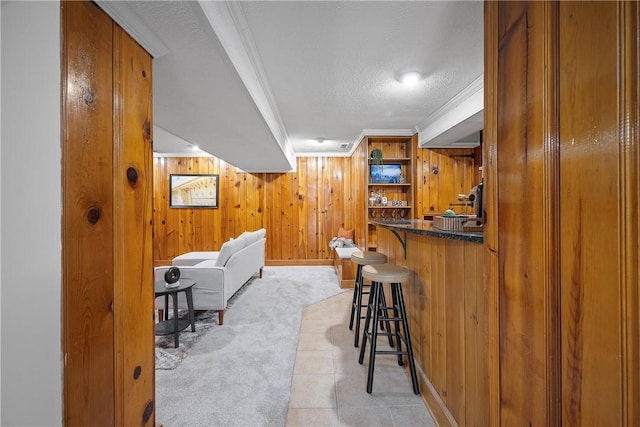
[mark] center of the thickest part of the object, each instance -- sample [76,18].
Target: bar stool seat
[361,258]
[386,273]
[368,257]
[378,311]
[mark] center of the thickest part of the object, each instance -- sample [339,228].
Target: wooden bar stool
[361,259]
[395,275]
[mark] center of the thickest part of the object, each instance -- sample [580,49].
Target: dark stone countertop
[419,226]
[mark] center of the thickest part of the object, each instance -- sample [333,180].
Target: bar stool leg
[357,292]
[367,322]
[396,323]
[376,288]
[385,325]
[405,325]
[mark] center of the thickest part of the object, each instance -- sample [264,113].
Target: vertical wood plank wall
[562,161]
[133,192]
[87,226]
[441,175]
[447,307]
[301,210]
[107,301]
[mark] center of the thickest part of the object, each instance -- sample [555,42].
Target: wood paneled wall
[301,210]
[562,160]
[107,301]
[441,175]
[448,315]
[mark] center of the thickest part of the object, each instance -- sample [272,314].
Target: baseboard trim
[286,262]
[272,262]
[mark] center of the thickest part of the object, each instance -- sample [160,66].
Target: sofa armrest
[209,291]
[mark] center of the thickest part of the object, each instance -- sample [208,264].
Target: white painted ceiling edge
[455,125]
[459,118]
[229,24]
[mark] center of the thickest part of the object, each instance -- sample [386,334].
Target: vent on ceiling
[343,145]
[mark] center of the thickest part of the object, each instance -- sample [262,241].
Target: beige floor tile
[317,325]
[318,312]
[312,417]
[393,386]
[345,361]
[312,391]
[416,415]
[320,341]
[341,336]
[351,390]
[313,362]
[365,417]
[320,398]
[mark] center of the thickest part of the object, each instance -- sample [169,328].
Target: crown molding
[378,132]
[323,154]
[458,118]
[122,14]
[229,23]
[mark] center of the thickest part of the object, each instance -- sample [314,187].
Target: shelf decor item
[385,174]
[172,278]
[450,223]
[376,156]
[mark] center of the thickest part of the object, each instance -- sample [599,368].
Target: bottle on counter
[372,199]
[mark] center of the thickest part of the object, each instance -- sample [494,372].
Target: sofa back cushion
[229,248]
[253,236]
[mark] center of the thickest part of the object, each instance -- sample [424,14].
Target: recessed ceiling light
[195,148]
[410,78]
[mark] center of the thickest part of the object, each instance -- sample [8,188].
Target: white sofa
[219,275]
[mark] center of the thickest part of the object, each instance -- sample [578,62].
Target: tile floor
[329,385]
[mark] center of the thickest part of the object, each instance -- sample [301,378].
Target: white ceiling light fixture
[410,78]
[319,140]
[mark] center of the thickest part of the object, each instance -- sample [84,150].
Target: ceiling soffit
[450,125]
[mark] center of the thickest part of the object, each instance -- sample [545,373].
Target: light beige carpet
[239,374]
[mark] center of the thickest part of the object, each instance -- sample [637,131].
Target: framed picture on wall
[193,191]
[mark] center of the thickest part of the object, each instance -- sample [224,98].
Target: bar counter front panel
[446,305]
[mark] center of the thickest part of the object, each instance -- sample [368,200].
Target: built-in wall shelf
[397,181]
[391,160]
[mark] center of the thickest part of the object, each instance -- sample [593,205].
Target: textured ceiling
[254,82]
[332,66]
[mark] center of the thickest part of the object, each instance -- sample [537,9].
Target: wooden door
[106,226]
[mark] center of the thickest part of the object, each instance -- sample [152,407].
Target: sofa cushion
[229,248]
[253,236]
[192,258]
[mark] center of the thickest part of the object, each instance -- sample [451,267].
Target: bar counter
[447,310]
[424,227]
